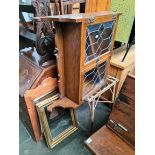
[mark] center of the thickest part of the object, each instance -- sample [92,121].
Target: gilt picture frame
[53,141]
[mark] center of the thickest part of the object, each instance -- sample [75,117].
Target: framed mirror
[57,124]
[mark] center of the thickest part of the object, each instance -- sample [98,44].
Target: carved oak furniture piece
[45,44]
[85,44]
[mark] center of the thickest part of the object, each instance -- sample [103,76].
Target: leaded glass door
[98,40]
[94,79]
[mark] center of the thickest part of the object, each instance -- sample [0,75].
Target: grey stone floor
[74,144]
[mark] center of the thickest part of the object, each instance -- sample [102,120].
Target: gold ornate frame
[52,142]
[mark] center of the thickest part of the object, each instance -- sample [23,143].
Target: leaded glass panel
[94,79]
[98,40]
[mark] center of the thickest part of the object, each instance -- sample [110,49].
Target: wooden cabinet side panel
[97,5]
[103,5]
[72,59]
[60,59]
[105,142]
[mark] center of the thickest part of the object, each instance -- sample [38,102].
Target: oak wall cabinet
[85,44]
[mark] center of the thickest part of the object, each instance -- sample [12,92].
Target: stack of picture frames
[55,129]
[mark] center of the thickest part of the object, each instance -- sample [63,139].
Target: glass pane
[94,79]
[59,120]
[98,40]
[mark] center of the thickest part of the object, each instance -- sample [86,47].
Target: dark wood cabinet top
[77,17]
[105,142]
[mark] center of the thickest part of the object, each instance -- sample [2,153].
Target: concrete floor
[74,144]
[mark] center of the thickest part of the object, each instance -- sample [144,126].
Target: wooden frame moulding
[48,85]
[52,142]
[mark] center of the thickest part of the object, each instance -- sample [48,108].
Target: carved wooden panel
[45,43]
[28,73]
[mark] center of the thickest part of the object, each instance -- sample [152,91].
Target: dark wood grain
[124,115]
[105,142]
[124,112]
[28,73]
[128,88]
